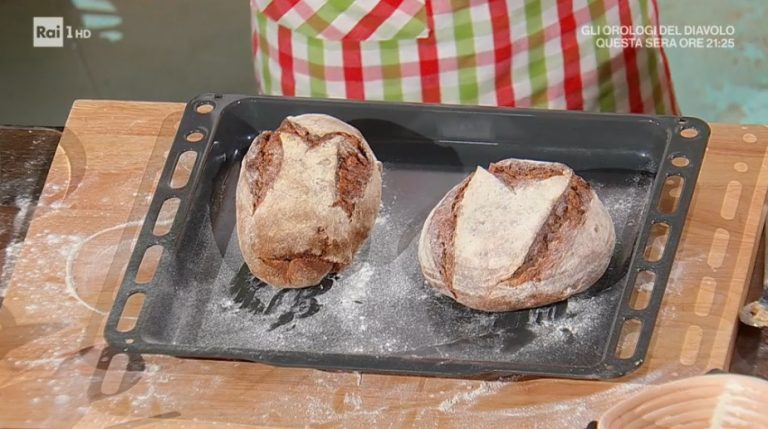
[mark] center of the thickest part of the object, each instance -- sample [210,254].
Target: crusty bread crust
[440,228]
[569,252]
[307,196]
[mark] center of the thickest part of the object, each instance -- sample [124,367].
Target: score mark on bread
[307,197]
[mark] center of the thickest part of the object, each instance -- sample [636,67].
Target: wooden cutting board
[56,371]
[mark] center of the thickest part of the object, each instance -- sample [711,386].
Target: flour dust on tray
[381,306]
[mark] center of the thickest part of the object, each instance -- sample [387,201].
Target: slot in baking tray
[378,315]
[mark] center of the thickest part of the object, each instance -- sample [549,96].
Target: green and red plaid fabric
[530,53]
[359,20]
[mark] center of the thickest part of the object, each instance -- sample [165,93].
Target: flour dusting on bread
[497,225]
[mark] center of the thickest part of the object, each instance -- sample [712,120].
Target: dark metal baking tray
[378,315]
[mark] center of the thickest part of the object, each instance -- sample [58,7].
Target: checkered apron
[532,53]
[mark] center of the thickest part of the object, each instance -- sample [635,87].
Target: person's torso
[543,53]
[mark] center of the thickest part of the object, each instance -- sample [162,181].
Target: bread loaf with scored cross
[521,234]
[307,196]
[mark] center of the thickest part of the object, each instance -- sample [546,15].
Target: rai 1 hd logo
[50,32]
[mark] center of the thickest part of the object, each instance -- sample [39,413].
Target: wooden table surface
[56,370]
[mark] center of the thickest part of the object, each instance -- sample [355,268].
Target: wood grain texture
[56,372]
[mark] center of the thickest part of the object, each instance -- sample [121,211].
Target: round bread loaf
[521,234]
[307,197]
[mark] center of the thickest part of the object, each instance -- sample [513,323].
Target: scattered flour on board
[558,414]
[72,255]
[461,399]
[73,252]
[681,270]
[24,204]
[485,388]
[12,251]
[353,400]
